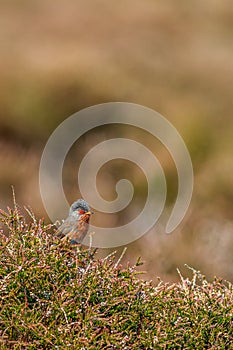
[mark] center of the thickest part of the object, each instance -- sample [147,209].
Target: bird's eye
[81,211]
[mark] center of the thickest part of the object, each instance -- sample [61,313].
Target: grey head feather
[79,204]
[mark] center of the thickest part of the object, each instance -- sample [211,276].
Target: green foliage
[57,297]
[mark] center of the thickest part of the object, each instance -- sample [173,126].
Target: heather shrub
[54,296]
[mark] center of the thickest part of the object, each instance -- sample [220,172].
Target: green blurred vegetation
[174,57]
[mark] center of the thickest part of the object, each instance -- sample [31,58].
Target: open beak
[89,212]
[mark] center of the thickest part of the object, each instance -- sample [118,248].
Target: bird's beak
[89,212]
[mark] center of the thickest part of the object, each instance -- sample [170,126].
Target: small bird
[75,227]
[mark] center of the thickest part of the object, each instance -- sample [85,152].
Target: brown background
[175,57]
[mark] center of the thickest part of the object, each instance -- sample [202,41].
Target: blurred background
[174,57]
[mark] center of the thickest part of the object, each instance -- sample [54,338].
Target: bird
[75,226]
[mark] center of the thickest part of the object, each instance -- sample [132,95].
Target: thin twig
[121,256]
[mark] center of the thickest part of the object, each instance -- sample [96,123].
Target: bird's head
[80,207]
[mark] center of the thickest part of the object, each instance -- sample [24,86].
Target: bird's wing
[74,229]
[77,232]
[66,227]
